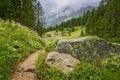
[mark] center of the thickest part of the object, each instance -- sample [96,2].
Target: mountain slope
[67,14]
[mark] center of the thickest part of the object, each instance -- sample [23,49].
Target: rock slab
[63,62]
[88,48]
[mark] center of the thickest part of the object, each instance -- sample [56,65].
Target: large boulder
[61,61]
[88,48]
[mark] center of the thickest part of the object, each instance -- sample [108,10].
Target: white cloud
[56,6]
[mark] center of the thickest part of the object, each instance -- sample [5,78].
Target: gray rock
[61,61]
[48,35]
[88,48]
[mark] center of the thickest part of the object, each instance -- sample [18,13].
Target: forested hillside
[21,11]
[102,22]
[105,22]
[26,12]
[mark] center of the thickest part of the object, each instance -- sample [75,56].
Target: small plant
[86,71]
[111,68]
[51,45]
[82,33]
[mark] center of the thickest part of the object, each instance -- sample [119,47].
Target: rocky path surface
[25,70]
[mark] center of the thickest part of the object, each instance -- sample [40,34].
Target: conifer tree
[39,19]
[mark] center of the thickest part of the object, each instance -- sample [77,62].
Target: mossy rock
[88,48]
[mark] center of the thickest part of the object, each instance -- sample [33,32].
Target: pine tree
[28,14]
[21,11]
[39,19]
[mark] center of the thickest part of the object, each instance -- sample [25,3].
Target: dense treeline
[26,12]
[70,23]
[103,21]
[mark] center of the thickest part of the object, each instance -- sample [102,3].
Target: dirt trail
[26,70]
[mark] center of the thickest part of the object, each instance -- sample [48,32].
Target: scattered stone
[61,61]
[56,34]
[48,35]
[20,70]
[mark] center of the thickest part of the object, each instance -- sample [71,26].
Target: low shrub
[111,68]
[51,45]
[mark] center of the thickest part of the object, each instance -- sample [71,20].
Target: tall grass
[16,42]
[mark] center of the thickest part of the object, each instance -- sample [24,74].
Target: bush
[82,33]
[111,68]
[86,71]
[51,45]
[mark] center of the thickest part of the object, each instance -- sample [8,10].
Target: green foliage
[70,25]
[69,35]
[16,42]
[55,74]
[86,71]
[50,47]
[98,69]
[82,33]
[51,44]
[104,22]
[40,30]
[111,68]
[39,19]
[40,68]
[21,11]
[26,12]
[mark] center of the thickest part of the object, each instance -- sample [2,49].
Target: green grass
[114,39]
[16,42]
[75,34]
[109,70]
[50,44]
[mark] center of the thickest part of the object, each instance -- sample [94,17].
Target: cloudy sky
[52,7]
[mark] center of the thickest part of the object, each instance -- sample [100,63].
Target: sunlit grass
[74,34]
